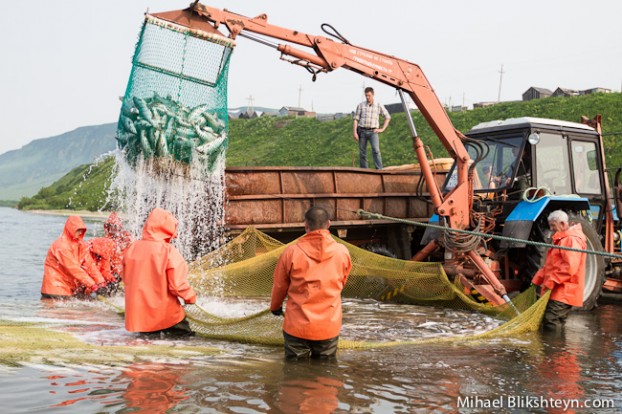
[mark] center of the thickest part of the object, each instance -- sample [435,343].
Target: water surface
[583,364]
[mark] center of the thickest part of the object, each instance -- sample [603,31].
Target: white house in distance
[295,111]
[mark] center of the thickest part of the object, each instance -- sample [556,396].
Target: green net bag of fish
[175,104]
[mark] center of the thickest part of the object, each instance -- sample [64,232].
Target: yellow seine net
[243,268]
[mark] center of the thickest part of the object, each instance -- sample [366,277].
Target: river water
[582,368]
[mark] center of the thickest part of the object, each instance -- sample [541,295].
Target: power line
[501,72]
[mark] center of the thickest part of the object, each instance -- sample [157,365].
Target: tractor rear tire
[594,265]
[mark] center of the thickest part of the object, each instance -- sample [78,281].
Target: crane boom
[328,55]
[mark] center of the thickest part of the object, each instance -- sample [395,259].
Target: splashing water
[194,195]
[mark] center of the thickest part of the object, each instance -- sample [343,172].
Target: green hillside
[309,142]
[83,188]
[24,171]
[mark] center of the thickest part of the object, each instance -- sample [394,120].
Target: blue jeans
[369,135]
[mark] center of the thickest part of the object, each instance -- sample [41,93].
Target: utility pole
[501,72]
[299,96]
[249,106]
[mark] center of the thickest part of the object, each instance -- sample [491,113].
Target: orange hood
[73,224]
[113,224]
[317,245]
[160,226]
[573,231]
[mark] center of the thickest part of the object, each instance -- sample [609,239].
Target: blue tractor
[524,168]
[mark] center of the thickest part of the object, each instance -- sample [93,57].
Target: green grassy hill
[83,188]
[24,171]
[309,142]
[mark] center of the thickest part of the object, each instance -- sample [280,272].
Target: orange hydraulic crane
[323,54]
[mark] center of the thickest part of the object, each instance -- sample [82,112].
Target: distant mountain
[43,161]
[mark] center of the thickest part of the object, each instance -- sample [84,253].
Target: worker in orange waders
[102,250]
[311,273]
[69,270]
[155,277]
[563,272]
[113,230]
[108,251]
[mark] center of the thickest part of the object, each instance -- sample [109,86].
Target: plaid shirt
[367,115]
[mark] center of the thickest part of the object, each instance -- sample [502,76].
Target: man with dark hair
[366,127]
[311,273]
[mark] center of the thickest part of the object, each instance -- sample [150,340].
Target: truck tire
[594,265]
[380,249]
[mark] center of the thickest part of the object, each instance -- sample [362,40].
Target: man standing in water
[311,273]
[366,127]
[563,272]
[155,276]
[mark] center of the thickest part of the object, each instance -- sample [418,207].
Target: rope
[535,198]
[368,214]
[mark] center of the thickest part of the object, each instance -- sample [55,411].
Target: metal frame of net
[175,103]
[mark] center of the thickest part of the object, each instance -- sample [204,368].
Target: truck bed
[276,198]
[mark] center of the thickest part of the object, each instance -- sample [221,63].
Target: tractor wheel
[380,249]
[594,265]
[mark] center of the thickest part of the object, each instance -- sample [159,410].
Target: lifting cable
[367,214]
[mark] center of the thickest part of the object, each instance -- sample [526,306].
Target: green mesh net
[175,104]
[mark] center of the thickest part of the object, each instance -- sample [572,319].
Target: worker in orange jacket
[113,230]
[68,269]
[155,276]
[102,250]
[311,273]
[563,272]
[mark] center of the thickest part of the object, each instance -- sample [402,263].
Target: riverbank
[67,213]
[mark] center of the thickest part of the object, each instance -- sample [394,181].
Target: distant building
[536,93]
[248,114]
[456,108]
[294,111]
[330,117]
[565,92]
[595,90]
[483,104]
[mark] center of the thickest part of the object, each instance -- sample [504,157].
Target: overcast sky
[66,62]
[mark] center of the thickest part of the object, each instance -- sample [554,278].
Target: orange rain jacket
[312,273]
[155,275]
[564,271]
[68,266]
[102,250]
[113,228]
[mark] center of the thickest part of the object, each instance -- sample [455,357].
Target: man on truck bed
[311,273]
[366,123]
[563,271]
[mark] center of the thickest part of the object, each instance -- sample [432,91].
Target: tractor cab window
[552,165]
[585,167]
[497,163]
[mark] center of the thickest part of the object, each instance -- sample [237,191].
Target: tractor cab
[532,157]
